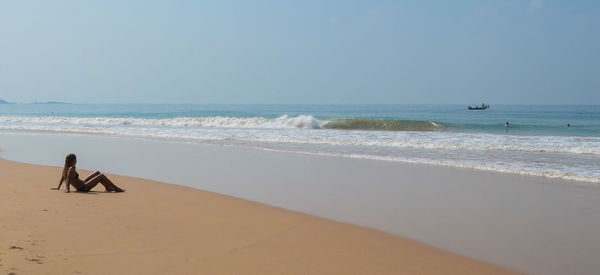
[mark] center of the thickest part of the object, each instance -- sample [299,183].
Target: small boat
[482,107]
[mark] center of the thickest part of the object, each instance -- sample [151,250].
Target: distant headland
[52,102]
[45,102]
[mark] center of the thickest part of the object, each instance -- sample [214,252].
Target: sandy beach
[534,225]
[156,228]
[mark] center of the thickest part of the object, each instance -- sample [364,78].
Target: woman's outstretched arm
[68,179]
[60,183]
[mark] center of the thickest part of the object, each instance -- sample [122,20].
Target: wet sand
[157,228]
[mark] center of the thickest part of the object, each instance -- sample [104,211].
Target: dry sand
[159,228]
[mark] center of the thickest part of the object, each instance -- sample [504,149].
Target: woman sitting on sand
[71,176]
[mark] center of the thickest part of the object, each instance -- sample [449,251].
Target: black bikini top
[76,174]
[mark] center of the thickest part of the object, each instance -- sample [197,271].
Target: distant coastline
[45,102]
[51,102]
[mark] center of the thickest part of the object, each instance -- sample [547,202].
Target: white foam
[550,156]
[193,128]
[301,122]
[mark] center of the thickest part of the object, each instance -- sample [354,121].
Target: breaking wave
[282,122]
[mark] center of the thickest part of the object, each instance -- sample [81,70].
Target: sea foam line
[285,121]
[278,131]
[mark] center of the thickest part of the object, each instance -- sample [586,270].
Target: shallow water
[537,141]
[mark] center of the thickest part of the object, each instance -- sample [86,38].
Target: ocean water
[537,142]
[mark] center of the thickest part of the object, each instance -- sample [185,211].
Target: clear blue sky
[467,52]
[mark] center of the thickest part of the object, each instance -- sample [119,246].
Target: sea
[551,141]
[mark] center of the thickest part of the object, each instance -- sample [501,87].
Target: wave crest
[382,125]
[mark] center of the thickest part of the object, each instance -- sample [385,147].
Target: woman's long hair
[68,163]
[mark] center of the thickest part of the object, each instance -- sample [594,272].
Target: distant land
[45,102]
[51,102]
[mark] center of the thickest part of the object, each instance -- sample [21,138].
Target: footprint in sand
[35,260]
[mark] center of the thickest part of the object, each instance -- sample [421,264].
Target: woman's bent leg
[89,184]
[92,176]
[112,185]
[102,179]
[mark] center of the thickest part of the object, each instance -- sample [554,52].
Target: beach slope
[157,228]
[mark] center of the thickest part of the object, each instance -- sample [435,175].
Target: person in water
[71,177]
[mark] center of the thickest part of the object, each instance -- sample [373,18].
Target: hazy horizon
[340,52]
[182,103]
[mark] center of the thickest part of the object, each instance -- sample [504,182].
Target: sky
[301,52]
